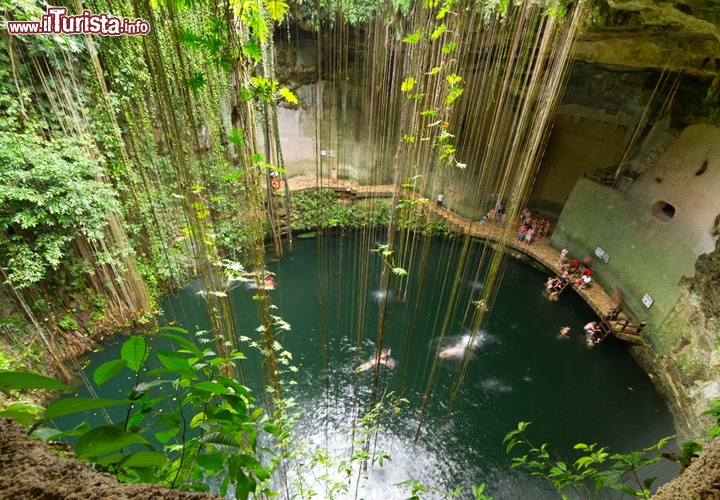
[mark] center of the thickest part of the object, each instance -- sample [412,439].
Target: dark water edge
[520,368]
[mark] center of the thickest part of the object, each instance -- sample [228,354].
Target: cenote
[520,369]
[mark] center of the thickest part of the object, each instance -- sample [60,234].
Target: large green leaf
[173,329]
[212,462]
[19,380]
[140,391]
[221,441]
[230,383]
[21,417]
[276,8]
[212,387]
[110,459]
[186,343]
[243,486]
[76,405]
[104,440]
[252,49]
[46,433]
[108,370]
[134,351]
[146,386]
[144,459]
[165,436]
[173,360]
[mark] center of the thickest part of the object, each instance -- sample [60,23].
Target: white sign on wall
[647,300]
[602,254]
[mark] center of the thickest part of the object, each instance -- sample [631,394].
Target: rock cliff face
[701,481]
[675,35]
[642,96]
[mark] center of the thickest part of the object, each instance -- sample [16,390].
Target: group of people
[574,273]
[499,212]
[531,227]
[580,275]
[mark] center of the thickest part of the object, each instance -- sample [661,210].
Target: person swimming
[263,280]
[384,359]
[480,304]
[591,333]
[458,350]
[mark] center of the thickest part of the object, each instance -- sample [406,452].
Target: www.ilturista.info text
[56,20]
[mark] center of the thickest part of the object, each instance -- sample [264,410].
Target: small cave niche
[684,8]
[663,211]
[702,169]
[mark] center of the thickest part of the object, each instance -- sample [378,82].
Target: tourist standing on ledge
[441,197]
[563,254]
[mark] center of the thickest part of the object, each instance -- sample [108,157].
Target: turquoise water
[520,368]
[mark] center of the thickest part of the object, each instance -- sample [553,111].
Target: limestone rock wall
[654,231]
[700,481]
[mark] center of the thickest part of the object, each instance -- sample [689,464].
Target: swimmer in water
[564,331]
[458,350]
[591,331]
[551,282]
[480,303]
[263,280]
[384,359]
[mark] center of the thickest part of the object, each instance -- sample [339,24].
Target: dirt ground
[30,471]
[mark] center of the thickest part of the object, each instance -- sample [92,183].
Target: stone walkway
[540,250]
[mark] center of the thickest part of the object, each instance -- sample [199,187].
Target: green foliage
[594,470]
[17,351]
[288,95]
[413,38]
[413,215]
[688,452]
[276,8]
[408,84]
[48,195]
[321,209]
[418,491]
[313,209]
[13,380]
[350,12]
[714,412]
[210,429]
[68,323]
[387,256]
[438,32]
